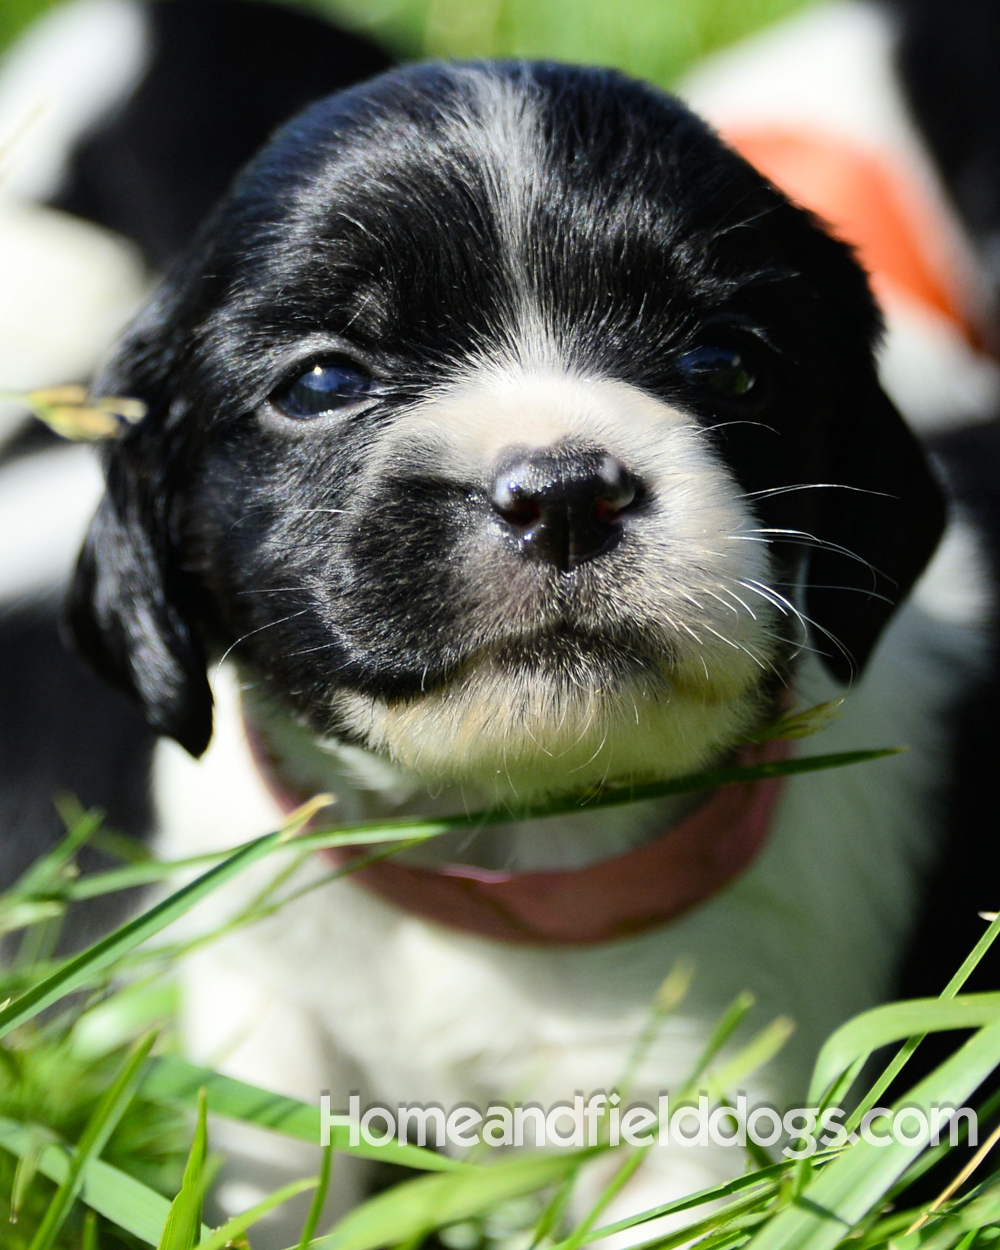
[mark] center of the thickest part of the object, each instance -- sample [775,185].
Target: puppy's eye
[723,371]
[324,388]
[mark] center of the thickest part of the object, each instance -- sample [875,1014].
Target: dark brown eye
[324,388]
[722,371]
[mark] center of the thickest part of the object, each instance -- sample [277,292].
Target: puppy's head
[503,422]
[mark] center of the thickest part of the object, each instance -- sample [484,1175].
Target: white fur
[500,123]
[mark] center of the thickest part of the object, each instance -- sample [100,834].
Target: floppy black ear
[131,605]
[877,535]
[127,617]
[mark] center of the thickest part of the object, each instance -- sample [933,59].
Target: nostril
[565,505]
[616,492]
[520,513]
[607,511]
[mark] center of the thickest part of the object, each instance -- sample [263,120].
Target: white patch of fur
[69,69]
[46,502]
[369,786]
[500,124]
[222,800]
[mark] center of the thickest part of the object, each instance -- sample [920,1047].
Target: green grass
[98,1146]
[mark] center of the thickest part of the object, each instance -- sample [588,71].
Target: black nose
[565,505]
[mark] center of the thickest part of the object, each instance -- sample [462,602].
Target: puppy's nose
[565,505]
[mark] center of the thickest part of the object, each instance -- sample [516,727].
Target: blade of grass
[233,1229]
[93,1139]
[958,1181]
[860,1036]
[319,1198]
[103,954]
[965,1221]
[759,1051]
[731,1019]
[89,1240]
[930,1158]
[849,1187]
[670,994]
[420,1206]
[610,1191]
[553,1211]
[19,915]
[183,1224]
[112,880]
[27,1169]
[43,872]
[29,901]
[766,1181]
[707,1224]
[900,1059]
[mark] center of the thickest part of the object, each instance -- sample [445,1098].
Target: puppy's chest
[814,929]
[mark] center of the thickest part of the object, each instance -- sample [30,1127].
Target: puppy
[509,434]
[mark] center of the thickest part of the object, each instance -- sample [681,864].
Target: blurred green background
[654,39]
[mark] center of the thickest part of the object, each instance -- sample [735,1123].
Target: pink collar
[615,898]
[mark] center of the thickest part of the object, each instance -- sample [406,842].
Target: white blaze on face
[687,579]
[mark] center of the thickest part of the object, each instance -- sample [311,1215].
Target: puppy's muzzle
[565,505]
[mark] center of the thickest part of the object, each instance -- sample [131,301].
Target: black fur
[367,227]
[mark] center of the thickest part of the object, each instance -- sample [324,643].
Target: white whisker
[249,634]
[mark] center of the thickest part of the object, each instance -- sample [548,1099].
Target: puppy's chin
[521,732]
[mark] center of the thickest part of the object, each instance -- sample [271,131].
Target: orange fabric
[868,204]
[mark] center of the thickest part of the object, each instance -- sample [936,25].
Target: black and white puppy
[509,434]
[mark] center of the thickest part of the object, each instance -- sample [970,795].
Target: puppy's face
[505,423]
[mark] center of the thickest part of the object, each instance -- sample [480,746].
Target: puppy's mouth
[565,650]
